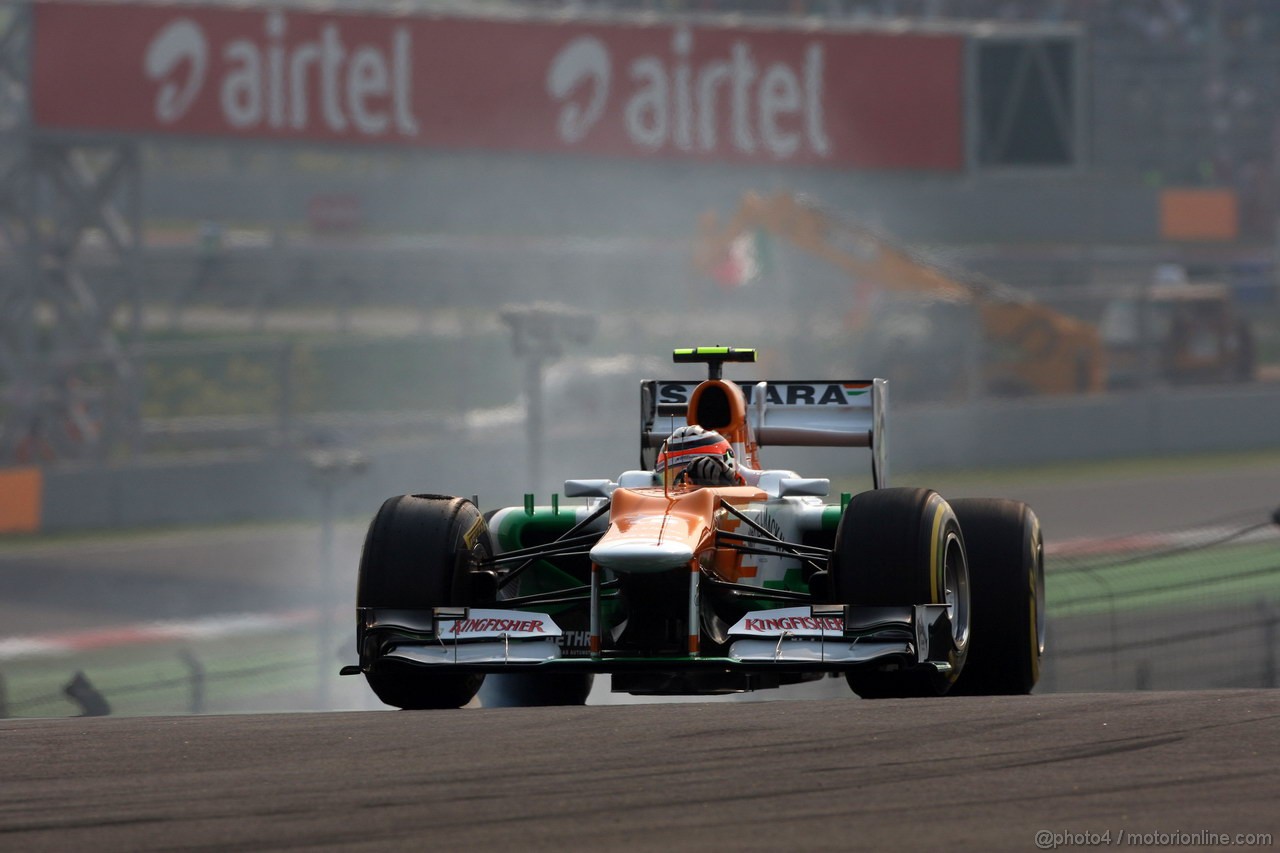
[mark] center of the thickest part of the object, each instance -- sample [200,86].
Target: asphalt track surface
[965,774]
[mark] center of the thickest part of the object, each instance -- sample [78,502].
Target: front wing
[813,638]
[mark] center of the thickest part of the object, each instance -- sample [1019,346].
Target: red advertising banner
[864,100]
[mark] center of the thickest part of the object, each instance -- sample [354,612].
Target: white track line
[211,627]
[1154,541]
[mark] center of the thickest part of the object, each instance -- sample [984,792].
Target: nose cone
[638,555]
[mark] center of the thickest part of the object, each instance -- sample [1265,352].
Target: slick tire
[410,561]
[903,546]
[1006,573]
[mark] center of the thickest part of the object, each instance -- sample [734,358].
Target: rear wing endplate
[792,413]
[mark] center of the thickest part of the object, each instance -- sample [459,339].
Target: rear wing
[792,413]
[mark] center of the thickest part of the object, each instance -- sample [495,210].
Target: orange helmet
[687,444]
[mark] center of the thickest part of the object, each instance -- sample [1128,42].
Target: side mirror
[589,488]
[804,486]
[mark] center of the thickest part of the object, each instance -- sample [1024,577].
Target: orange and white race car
[672,585]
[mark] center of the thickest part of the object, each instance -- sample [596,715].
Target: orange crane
[1028,347]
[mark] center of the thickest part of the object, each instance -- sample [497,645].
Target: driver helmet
[687,444]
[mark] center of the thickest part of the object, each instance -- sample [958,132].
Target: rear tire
[903,546]
[410,561]
[1006,569]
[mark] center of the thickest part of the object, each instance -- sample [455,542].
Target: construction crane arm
[1060,353]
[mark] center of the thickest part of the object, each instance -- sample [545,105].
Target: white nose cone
[639,556]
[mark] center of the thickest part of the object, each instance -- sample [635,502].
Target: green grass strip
[1219,575]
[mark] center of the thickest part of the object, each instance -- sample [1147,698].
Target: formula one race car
[677,587]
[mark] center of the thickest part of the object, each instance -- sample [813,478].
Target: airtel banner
[724,94]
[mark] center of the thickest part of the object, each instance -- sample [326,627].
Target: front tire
[411,562]
[896,547]
[1006,557]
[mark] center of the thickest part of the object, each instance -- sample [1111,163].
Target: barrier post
[1269,620]
[330,469]
[196,670]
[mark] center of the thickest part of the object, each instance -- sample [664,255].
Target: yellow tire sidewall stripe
[935,567]
[1036,556]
